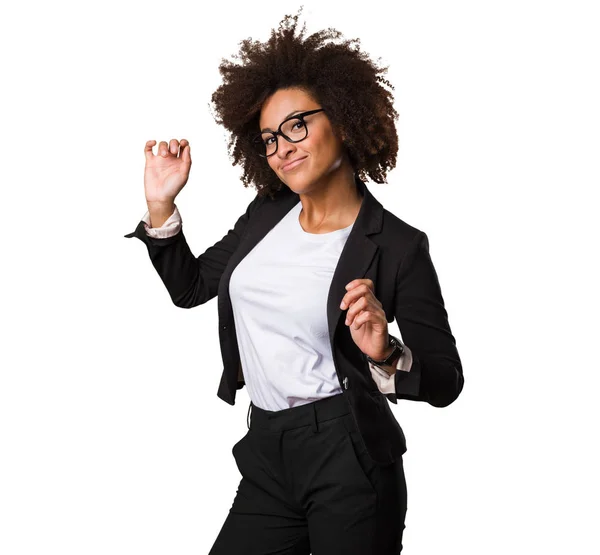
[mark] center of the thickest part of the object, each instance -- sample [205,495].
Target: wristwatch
[395,354]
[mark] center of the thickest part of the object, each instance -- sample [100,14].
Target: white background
[112,438]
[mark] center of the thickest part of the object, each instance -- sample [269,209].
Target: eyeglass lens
[295,129]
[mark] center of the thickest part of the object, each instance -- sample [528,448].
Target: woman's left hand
[366,318]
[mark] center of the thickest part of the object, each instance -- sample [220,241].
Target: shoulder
[398,231]
[400,242]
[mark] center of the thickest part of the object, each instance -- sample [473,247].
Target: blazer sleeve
[192,280]
[436,375]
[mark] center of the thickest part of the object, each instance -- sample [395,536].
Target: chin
[300,185]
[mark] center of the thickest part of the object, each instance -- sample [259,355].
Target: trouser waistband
[311,413]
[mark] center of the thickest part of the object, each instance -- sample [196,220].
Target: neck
[335,204]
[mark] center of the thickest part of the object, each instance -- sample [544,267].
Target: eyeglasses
[293,129]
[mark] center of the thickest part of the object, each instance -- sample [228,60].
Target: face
[322,150]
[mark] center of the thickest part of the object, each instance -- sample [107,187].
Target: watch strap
[393,356]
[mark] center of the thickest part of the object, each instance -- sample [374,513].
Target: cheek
[326,143]
[319,146]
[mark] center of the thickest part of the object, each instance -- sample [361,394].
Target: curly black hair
[340,77]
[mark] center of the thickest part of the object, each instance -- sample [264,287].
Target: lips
[291,165]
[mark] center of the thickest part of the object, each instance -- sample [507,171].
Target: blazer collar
[355,259]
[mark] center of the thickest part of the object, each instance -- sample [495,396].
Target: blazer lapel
[356,256]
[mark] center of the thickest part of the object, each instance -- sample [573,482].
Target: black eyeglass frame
[258,137]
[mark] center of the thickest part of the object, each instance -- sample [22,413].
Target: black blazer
[381,247]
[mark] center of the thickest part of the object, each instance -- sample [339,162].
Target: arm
[436,375]
[171,226]
[191,280]
[385,379]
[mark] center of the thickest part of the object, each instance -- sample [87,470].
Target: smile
[293,165]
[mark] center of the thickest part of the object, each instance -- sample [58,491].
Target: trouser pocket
[365,465]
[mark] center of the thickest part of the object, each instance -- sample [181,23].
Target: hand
[366,318]
[166,173]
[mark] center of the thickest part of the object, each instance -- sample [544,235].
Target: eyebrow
[286,117]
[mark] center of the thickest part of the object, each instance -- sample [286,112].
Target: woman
[321,464]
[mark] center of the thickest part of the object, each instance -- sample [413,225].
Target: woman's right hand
[166,173]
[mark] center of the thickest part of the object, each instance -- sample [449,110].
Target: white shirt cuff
[168,229]
[385,382]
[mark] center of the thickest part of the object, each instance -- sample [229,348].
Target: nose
[284,147]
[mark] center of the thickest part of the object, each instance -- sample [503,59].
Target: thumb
[148,149]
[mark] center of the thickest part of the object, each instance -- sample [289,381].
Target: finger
[355,309]
[186,154]
[174,147]
[373,316]
[355,282]
[184,150]
[163,149]
[362,318]
[148,149]
[355,293]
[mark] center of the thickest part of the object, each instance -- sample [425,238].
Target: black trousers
[309,486]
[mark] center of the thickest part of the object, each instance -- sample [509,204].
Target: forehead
[277,107]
